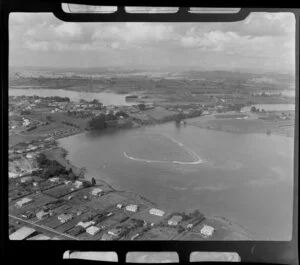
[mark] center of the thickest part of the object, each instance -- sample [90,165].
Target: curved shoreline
[196,157]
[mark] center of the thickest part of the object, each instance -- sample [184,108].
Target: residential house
[26,179]
[23,202]
[115,232]
[207,230]
[42,214]
[86,224]
[78,184]
[175,220]
[54,179]
[132,208]
[93,230]
[119,206]
[97,192]
[63,218]
[156,212]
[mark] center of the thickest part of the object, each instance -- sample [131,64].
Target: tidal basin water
[247,178]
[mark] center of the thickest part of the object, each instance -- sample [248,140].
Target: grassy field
[251,125]
[224,230]
[160,113]
[159,233]
[21,138]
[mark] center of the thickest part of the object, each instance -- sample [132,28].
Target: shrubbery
[51,168]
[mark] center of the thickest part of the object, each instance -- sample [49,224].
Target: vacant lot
[14,139]
[58,192]
[224,230]
[159,233]
[38,201]
[150,218]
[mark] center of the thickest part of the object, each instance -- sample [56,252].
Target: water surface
[104,97]
[247,178]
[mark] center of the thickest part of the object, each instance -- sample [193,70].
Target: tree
[141,106]
[179,118]
[71,176]
[49,118]
[253,109]
[93,182]
[97,123]
[82,172]
[122,113]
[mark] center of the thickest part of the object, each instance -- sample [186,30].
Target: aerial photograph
[151,131]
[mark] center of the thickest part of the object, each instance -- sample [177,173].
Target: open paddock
[150,218]
[39,200]
[160,113]
[230,115]
[15,139]
[106,201]
[58,192]
[159,233]
[60,117]
[223,231]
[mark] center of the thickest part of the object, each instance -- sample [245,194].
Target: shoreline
[225,220]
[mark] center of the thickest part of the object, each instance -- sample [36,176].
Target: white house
[119,206]
[41,214]
[63,218]
[35,184]
[78,184]
[92,230]
[132,208]
[23,201]
[86,224]
[189,226]
[26,179]
[26,122]
[175,220]
[97,192]
[114,232]
[13,175]
[207,230]
[29,156]
[54,179]
[156,212]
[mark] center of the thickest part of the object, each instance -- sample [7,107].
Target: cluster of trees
[141,106]
[103,121]
[122,113]
[253,109]
[51,168]
[80,114]
[71,124]
[49,118]
[182,116]
[235,107]
[94,101]
[58,99]
[97,123]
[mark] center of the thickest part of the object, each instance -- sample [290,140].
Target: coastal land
[59,201]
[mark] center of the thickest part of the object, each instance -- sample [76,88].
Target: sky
[261,42]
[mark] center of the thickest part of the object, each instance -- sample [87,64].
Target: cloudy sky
[263,41]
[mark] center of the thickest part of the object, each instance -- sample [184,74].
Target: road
[43,227]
